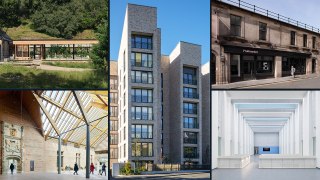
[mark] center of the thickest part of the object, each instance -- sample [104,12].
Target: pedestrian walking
[11,168]
[104,169]
[293,70]
[75,168]
[91,168]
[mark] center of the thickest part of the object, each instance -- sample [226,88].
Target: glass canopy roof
[61,115]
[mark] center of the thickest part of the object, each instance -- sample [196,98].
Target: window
[190,108]
[141,42]
[142,95]
[305,40]
[141,59]
[235,25]
[124,133]
[141,113]
[113,153]
[262,31]
[124,61]
[190,93]
[113,139]
[314,39]
[293,38]
[124,150]
[144,77]
[142,149]
[113,111]
[113,97]
[113,82]
[114,125]
[190,152]
[190,123]
[142,131]
[189,76]
[190,138]
[235,65]
[22,51]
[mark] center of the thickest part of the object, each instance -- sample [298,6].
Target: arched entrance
[16,161]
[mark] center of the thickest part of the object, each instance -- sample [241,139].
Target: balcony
[191,95]
[191,155]
[190,141]
[190,81]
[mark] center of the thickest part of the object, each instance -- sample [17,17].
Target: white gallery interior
[280,127]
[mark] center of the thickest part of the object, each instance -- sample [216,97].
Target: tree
[99,51]
[8,14]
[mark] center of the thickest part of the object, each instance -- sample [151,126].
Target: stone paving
[301,82]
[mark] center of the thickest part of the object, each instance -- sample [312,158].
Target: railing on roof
[270,14]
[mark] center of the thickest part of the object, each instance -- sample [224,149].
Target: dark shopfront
[256,63]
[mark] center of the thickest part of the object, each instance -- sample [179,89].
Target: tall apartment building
[113,112]
[159,101]
[182,116]
[139,84]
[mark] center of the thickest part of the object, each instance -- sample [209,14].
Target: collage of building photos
[149,89]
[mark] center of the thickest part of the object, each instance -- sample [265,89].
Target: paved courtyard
[252,172]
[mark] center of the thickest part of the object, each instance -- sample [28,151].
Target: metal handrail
[270,14]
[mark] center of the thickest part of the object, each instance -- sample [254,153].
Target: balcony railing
[191,155]
[189,81]
[270,14]
[191,95]
[190,141]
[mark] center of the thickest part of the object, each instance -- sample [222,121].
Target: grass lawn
[20,77]
[84,65]
[25,32]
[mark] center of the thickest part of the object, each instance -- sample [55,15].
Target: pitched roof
[4,36]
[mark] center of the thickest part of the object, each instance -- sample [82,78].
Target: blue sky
[179,20]
[189,20]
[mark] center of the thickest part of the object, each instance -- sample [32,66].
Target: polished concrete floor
[50,176]
[252,172]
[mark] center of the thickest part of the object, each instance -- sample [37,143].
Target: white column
[241,134]
[305,126]
[227,126]
[215,128]
[236,130]
[297,131]
[291,136]
[280,142]
[317,121]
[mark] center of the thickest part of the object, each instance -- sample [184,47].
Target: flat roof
[56,41]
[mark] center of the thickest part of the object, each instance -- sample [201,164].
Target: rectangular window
[142,95]
[113,82]
[293,38]
[142,113]
[142,149]
[141,42]
[114,139]
[190,108]
[190,152]
[190,93]
[190,138]
[190,123]
[113,97]
[235,65]
[141,131]
[189,76]
[314,39]
[113,111]
[141,60]
[114,125]
[113,153]
[262,31]
[144,77]
[235,25]
[305,40]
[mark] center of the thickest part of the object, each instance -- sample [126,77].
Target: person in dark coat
[11,168]
[104,170]
[75,168]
